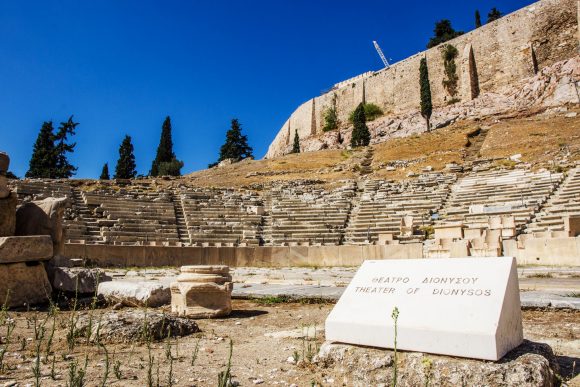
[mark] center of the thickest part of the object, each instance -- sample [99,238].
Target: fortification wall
[491,59]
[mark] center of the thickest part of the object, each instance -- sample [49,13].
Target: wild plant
[309,345]
[225,377]
[427,369]
[72,332]
[106,372]
[395,317]
[76,374]
[117,369]
[39,332]
[10,325]
[195,351]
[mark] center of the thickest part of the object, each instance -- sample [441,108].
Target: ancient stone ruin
[202,292]
[23,279]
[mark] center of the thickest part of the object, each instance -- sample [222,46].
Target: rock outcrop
[531,365]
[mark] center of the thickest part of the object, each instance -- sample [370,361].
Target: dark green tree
[170,168]
[105,172]
[236,145]
[165,154]
[296,145]
[426,104]
[477,19]
[42,163]
[360,133]
[126,165]
[64,169]
[494,14]
[443,32]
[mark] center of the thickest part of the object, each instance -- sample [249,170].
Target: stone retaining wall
[143,256]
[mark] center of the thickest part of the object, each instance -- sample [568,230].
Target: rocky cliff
[525,61]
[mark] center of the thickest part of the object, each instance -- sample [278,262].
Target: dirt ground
[267,338]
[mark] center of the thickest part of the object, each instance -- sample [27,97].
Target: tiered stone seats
[481,198]
[77,223]
[384,204]
[565,203]
[309,215]
[133,216]
[37,189]
[222,217]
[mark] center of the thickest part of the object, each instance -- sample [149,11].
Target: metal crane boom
[380,52]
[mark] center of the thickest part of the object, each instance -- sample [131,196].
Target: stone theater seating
[307,215]
[222,217]
[384,204]
[564,203]
[480,198]
[487,207]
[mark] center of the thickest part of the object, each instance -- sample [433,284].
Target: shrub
[449,54]
[330,119]
[372,112]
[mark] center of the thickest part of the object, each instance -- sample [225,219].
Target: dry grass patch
[311,165]
[436,149]
[537,139]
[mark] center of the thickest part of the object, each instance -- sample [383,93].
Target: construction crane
[380,52]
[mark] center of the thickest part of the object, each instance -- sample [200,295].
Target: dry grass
[312,165]
[435,149]
[537,139]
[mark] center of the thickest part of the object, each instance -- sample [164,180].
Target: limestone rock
[25,248]
[4,163]
[132,293]
[8,215]
[23,284]
[127,326]
[202,292]
[530,364]
[4,190]
[43,217]
[76,279]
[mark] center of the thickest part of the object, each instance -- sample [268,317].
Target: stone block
[25,248]
[8,215]
[23,284]
[202,292]
[131,293]
[4,190]
[459,307]
[76,279]
[43,217]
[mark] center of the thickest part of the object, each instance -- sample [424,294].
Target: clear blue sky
[121,66]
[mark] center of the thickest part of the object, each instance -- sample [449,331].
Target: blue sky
[122,66]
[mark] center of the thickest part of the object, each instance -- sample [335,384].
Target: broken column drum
[202,292]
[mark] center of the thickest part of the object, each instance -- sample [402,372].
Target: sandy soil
[264,338]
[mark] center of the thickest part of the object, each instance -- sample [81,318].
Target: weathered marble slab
[468,307]
[25,249]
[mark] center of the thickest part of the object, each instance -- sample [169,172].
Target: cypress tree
[494,14]
[296,145]
[105,172]
[236,145]
[426,104]
[64,169]
[126,165]
[360,133]
[165,154]
[477,19]
[42,163]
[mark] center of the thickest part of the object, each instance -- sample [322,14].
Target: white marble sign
[468,307]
